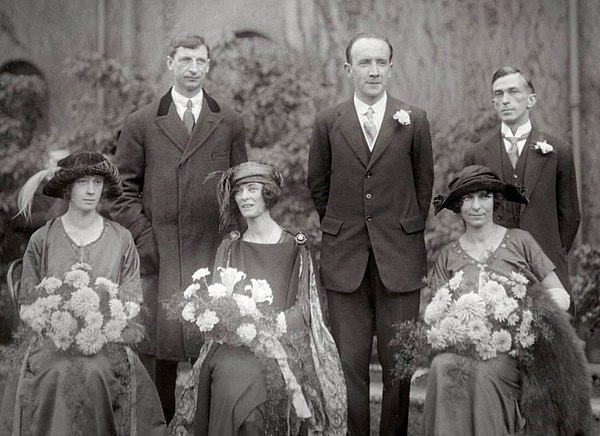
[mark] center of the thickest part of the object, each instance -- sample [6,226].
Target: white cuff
[560,297]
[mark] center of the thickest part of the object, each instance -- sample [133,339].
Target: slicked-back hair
[505,71]
[367,35]
[189,40]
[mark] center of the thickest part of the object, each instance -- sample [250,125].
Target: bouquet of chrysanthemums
[494,317]
[80,314]
[239,312]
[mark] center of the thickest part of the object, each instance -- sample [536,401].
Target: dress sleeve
[31,273]
[130,282]
[537,260]
[439,273]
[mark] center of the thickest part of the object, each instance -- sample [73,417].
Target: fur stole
[556,384]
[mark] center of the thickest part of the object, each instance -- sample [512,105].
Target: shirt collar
[181,100]
[378,108]
[521,131]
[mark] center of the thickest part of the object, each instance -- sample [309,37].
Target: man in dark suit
[370,175]
[164,153]
[537,162]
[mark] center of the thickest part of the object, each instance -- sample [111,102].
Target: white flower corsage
[403,117]
[543,147]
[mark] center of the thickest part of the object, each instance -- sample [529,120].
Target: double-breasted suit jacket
[375,200]
[552,215]
[170,209]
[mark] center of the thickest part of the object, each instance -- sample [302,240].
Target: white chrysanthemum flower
[519,291]
[453,330]
[486,350]
[113,329]
[189,312]
[526,319]
[504,308]
[246,332]
[132,309]
[207,320]
[81,266]
[34,316]
[90,340]
[117,311]
[217,290]
[492,292]
[478,331]
[261,291]
[50,303]
[63,325]
[50,284]
[77,278]
[436,338]
[525,339]
[437,309]
[83,301]
[191,290]
[107,285]
[502,341]
[94,320]
[469,307]
[519,278]
[456,280]
[246,305]
[202,272]
[512,319]
[230,277]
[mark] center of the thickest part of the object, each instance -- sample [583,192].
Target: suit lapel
[207,123]
[492,156]
[535,161]
[169,122]
[351,130]
[388,129]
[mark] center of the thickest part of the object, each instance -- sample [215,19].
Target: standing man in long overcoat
[370,175]
[164,153]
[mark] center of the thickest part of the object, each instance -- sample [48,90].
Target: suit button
[369,218]
[515,176]
[498,217]
[368,174]
[368,196]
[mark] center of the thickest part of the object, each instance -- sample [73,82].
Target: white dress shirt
[522,131]
[180,103]
[378,113]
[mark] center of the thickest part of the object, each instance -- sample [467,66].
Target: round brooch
[300,238]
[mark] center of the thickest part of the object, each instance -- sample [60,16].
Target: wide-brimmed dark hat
[476,178]
[80,164]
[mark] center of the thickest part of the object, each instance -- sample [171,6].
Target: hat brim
[508,191]
[64,177]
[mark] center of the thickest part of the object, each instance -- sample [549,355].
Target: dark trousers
[354,317]
[164,375]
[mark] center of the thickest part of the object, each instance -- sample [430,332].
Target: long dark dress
[232,392]
[489,403]
[56,393]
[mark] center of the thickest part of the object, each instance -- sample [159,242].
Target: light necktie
[188,117]
[370,127]
[513,149]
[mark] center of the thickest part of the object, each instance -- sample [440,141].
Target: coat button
[369,218]
[515,176]
[369,174]
[368,195]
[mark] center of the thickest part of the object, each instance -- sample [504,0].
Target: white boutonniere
[543,147]
[402,116]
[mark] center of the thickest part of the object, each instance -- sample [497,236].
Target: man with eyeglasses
[164,153]
[539,163]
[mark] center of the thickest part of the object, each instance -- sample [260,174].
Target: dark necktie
[370,127]
[188,117]
[513,149]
